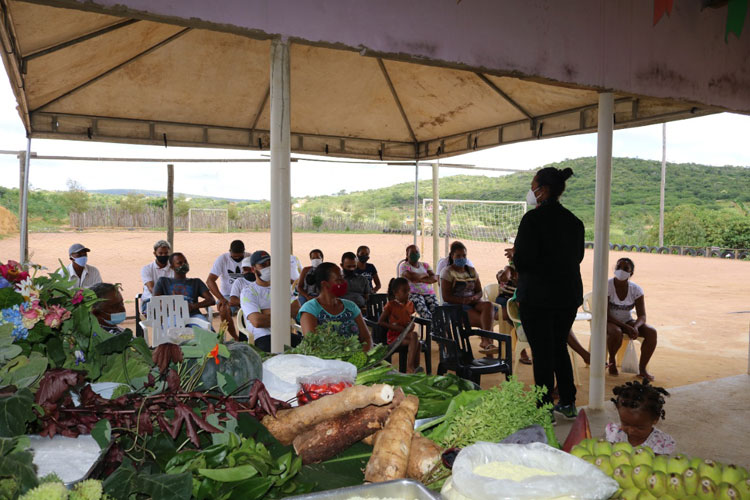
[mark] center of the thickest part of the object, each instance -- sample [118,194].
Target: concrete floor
[708,419]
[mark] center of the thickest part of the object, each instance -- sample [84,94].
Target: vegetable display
[326,343]
[642,474]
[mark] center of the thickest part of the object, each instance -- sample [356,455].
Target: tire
[588,244]
[663,250]
[689,251]
[743,255]
[727,254]
[615,247]
[700,252]
[675,250]
[644,249]
[653,249]
[715,253]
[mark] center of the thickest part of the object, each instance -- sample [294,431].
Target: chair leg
[402,362]
[427,358]
[441,369]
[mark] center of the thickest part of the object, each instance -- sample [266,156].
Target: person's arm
[260,319]
[376,279]
[364,333]
[146,279]
[384,322]
[208,301]
[159,287]
[308,322]
[214,288]
[477,297]
[446,288]
[431,277]
[234,301]
[301,282]
[640,312]
[626,328]
[525,253]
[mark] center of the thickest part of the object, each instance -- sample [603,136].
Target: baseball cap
[76,247]
[259,257]
[246,262]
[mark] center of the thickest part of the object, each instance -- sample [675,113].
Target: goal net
[474,220]
[214,220]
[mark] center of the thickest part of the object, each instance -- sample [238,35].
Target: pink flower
[55,316]
[77,297]
[13,272]
[31,312]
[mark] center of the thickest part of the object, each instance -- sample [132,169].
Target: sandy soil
[699,306]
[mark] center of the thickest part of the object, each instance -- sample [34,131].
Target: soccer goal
[474,220]
[212,220]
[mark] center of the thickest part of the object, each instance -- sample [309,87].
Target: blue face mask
[460,262]
[81,261]
[116,318]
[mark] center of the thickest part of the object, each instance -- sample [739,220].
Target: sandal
[525,361]
[490,349]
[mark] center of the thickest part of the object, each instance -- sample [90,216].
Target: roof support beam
[112,70]
[77,40]
[507,98]
[260,108]
[395,98]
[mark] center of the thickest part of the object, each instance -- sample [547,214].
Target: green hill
[711,191]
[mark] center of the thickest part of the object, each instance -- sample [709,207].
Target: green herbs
[326,343]
[491,415]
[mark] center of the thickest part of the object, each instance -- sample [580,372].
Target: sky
[711,140]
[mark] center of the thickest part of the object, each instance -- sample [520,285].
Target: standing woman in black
[547,253]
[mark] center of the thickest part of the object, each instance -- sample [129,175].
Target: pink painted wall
[607,44]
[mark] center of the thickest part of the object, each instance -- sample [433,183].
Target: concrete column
[435,214]
[601,250]
[170,205]
[663,181]
[23,199]
[416,198]
[281,199]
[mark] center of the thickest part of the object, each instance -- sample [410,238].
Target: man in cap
[158,268]
[228,267]
[85,275]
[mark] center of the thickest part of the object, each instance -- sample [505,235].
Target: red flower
[77,297]
[214,354]
[13,272]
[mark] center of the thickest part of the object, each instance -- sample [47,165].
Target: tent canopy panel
[107,78]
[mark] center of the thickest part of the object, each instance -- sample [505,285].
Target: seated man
[111,311]
[192,288]
[227,267]
[358,286]
[158,268]
[84,274]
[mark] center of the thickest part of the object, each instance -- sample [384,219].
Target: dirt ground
[699,306]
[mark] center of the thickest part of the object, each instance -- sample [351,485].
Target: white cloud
[711,140]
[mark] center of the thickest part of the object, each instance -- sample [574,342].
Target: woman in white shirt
[623,297]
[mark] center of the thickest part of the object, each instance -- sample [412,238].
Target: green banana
[588,444]
[677,464]
[727,492]
[640,476]
[657,484]
[619,458]
[706,489]
[604,464]
[690,479]
[732,474]
[642,455]
[743,488]
[696,462]
[645,495]
[579,451]
[660,463]
[710,469]
[623,446]
[623,474]
[602,447]
[589,458]
[675,485]
[630,494]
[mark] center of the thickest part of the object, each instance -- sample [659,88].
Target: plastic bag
[325,382]
[281,373]
[577,478]
[630,361]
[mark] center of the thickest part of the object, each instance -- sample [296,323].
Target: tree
[76,198]
[181,207]
[317,222]
[134,203]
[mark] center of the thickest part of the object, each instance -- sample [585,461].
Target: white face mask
[531,198]
[265,274]
[621,274]
[316,262]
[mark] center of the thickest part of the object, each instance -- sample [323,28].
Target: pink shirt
[417,287]
[659,441]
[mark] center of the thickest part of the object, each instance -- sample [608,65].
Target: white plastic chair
[242,327]
[490,293]
[523,343]
[625,339]
[165,313]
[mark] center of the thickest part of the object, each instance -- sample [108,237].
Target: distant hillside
[158,194]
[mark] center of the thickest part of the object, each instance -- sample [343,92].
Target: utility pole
[663,179]
[170,205]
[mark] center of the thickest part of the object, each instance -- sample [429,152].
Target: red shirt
[398,313]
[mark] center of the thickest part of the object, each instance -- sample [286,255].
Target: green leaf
[119,484]
[9,298]
[29,372]
[55,351]
[15,412]
[113,369]
[142,348]
[19,465]
[8,352]
[165,486]
[229,474]
[114,344]
[102,433]
[226,382]
[252,489]
[345,469]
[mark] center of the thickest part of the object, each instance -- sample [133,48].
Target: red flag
[660,7]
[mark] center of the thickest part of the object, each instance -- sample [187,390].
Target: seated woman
[623,297]
[328,307]
[192,288]
[460,284]
[306,287]
[420,278]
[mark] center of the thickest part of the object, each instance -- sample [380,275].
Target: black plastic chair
[138,329]
[452,331]
[374,308]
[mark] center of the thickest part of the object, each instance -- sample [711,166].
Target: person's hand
[192,307]
[509,252]
[222,302]
[631,331]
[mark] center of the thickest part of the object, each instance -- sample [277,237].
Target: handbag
[630,361]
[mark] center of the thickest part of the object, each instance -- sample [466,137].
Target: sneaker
[567,411]
[552,416]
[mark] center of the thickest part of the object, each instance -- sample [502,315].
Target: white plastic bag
[630,361]
[577,478]
[281,373]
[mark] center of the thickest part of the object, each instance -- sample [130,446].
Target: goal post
[473,220]
[212,220]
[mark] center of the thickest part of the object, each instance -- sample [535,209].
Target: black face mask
[162,259]
[249,276]
[363,258]
[348,273]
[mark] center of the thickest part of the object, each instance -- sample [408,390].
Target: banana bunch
[645,476]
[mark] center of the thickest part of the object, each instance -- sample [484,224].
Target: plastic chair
[523,343]
[165,312]
[242,327]
[138,327]
[490,293]
[374,308]
[587,308]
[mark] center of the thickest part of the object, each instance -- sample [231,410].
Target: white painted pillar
[416,198]
[24,206]
[601,250]
[281,198]
[663,180]
[435,214]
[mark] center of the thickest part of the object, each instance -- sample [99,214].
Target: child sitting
[640,406]
[396,316]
